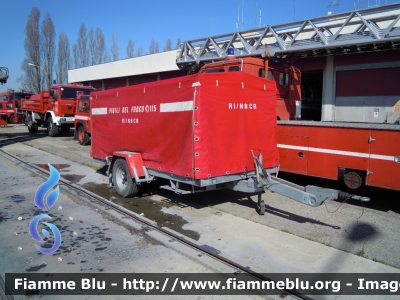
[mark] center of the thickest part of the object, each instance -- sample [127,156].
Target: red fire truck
[82,120]
[354,153]
[10,105]
[207,131]
[55,108]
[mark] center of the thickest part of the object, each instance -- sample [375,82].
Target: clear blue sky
[142,20]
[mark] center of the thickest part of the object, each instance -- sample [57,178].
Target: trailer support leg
[260,205]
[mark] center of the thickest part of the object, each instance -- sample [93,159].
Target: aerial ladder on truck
[366,30]
[359,31]
[374,28]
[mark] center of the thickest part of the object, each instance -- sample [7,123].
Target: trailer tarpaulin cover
[196,126]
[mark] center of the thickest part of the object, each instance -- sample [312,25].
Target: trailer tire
[52,130]
[122,180]
[83,137]
[32,127]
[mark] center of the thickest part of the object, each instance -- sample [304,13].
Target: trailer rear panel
[197,126]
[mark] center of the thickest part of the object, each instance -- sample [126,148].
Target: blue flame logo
[40,202]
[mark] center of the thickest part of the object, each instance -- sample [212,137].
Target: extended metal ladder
[369,29]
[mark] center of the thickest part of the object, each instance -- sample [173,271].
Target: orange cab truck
[82,120]
[207,131]
[10,105]
[54,108]
[356,154]
[287,78]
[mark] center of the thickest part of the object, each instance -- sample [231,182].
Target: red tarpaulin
[197,126]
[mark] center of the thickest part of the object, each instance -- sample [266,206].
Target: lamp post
[37,80]
[33,65]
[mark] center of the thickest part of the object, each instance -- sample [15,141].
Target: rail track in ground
[92,197]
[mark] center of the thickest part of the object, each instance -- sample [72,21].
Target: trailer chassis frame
[257,182]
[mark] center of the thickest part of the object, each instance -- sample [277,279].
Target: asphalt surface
[366,229]
[94,239]
[290,237]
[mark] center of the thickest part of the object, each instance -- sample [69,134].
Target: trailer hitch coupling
[310,195]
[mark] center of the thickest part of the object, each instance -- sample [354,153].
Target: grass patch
[361,253]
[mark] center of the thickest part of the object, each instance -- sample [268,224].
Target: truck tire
[83,137]
[32,127]
[11,119]
[52,129]
[123,183]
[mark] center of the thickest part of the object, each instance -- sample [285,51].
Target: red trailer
[199,131]
[354,153]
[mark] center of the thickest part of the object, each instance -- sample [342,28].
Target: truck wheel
[83,137]
[11,119]
[32,127]
[122,180]
[52,129]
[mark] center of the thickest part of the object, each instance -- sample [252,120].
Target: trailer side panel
[196,126]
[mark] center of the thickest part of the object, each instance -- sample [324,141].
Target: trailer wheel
[32,127]
[52,130]
[83,137]
[122,180]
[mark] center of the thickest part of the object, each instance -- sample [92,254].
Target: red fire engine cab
[10,105]
[55,108]
[82,120]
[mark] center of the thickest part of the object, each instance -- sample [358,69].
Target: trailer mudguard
[133,160]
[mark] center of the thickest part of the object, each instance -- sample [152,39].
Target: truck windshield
[72,93]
